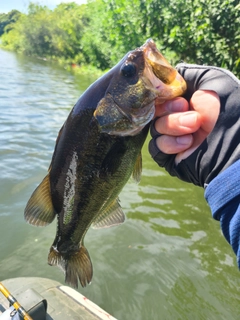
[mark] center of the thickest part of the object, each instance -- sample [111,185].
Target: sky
[22,5]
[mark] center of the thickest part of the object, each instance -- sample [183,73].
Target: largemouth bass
[97,150]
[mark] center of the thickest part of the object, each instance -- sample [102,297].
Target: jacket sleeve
[223,197]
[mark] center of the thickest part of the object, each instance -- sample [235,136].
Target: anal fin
[111,216]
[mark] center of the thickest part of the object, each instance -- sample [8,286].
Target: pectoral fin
[39,210]
[137,170]
[111,216]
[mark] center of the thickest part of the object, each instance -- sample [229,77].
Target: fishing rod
[14,303]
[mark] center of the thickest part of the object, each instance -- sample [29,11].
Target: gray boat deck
[63,301]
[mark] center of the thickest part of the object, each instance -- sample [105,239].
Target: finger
[178,124]
[174,145]
[207,104]
[178,104]
[197,138]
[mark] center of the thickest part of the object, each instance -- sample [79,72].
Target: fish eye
[129,69]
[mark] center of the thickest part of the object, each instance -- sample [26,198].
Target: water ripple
[167,261]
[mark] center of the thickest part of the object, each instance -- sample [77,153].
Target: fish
[97,150]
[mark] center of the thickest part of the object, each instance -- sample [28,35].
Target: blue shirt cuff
[222,189]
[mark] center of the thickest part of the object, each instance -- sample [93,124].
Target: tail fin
[77,267]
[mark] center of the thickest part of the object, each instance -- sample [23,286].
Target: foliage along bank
[100,32]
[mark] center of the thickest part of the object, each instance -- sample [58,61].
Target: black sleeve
[221,148]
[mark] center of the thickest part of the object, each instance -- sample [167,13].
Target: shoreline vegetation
[92,37]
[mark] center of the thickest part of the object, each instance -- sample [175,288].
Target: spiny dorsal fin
[39,210]
[111,216]
[137,170]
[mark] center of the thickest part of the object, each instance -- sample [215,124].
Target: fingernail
[187,120]
[184,140]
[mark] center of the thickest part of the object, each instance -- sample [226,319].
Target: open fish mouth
[164,78]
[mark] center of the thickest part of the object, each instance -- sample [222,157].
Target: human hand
[184,126]
[197,149]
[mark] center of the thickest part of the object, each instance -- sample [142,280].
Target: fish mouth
[165,79]
[156,80]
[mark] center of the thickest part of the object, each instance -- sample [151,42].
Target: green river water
[167,261]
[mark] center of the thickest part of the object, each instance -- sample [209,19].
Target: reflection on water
[168,261]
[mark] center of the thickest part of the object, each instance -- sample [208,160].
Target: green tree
[50,34]
[68,27]
[7,20]
[36,28]
[102,31]
[204,31]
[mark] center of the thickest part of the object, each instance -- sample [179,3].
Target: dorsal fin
[111,216]
[137,170]
[39,210]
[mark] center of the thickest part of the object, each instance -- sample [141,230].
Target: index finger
[178,104]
